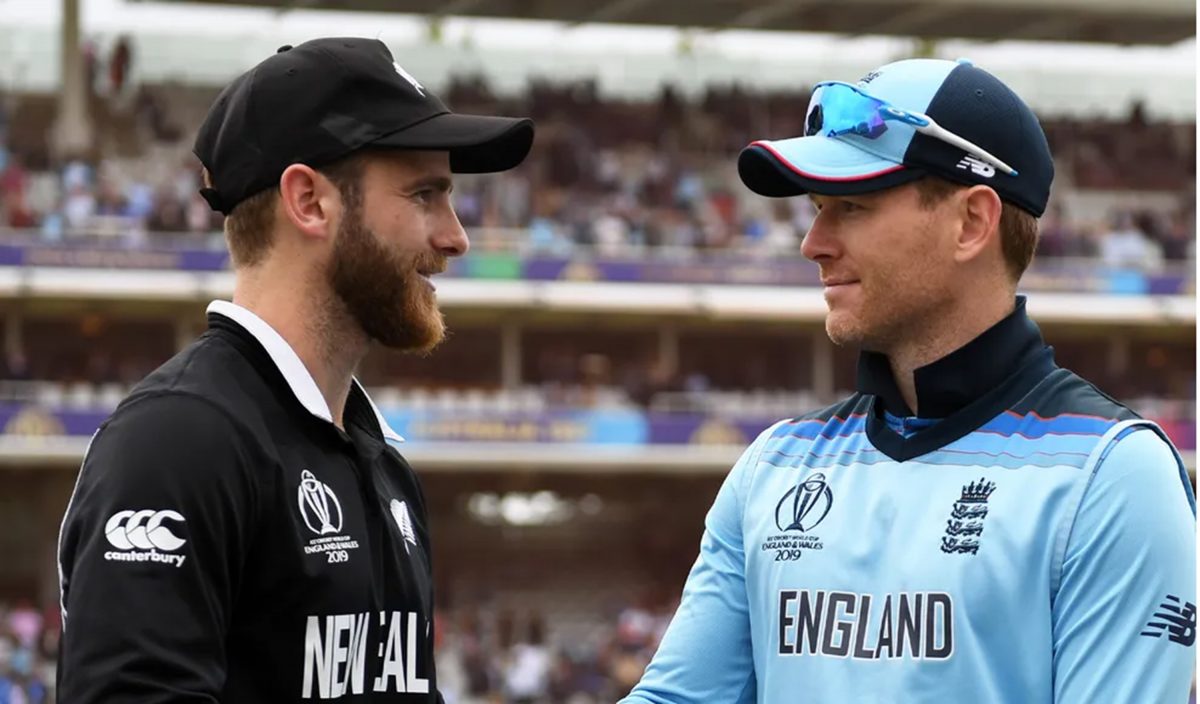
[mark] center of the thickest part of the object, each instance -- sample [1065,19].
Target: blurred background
[629,317]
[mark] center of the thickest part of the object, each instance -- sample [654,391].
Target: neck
[940,336]
[321,333]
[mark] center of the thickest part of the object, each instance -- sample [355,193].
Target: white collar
[289,364]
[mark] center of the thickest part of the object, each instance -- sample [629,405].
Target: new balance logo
[143,533]
[977,167]
[1176,618]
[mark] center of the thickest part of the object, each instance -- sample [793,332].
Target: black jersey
[226,542]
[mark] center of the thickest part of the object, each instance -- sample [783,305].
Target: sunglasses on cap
[838,108]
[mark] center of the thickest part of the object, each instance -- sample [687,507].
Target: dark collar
[965,389]
[954,381]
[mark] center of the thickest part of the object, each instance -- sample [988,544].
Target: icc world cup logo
[318,505]
[804,505]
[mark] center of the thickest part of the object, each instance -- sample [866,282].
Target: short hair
[1018,227]
[248,227]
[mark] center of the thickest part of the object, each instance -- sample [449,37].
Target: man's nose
[451,239]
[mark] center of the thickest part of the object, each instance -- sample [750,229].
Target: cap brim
[478,144]
[821,165]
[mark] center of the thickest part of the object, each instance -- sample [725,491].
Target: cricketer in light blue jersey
[975,524]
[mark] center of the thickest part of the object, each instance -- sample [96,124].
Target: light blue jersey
[1035,545]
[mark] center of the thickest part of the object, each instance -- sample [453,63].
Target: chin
[430,336]
[414,326]
[843,330]
[421,333]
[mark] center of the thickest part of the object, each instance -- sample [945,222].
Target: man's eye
[843,206]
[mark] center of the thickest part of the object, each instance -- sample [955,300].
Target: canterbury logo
[143,530]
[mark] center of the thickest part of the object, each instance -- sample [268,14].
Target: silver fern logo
[404,522]
[408,77]
[319,506]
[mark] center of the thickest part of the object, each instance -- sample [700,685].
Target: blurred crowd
[615,176]
[84,200]
[1142,240]
[620,176]
[523,661]
[28,644]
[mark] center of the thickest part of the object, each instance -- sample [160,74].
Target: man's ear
[979,213]
[309,200]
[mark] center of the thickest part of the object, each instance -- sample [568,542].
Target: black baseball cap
[878,140]
[326,98]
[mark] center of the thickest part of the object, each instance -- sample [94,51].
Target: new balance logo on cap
[143,534]
[977,167]
[951,111]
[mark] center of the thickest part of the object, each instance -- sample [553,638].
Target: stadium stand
[611,176]
[555,576]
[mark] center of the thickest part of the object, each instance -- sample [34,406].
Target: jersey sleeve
[1124,615]
[151,552]
[706,655]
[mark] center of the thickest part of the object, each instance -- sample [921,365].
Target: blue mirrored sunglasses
[838,108]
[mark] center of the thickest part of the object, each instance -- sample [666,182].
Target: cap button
[966,62]
[285,47]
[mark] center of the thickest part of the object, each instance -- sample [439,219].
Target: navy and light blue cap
[905,121]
